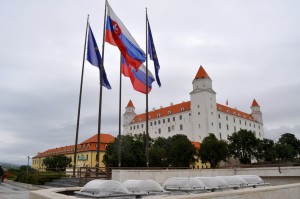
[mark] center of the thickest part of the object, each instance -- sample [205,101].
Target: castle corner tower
[129,113]
[255,112]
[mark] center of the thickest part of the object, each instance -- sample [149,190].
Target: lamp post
[28,163]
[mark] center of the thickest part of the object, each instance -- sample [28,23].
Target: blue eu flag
[152,53]
[94,57]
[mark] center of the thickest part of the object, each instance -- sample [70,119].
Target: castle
[196,118]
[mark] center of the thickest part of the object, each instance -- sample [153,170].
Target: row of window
[240,121]
[158,122]
[170,128]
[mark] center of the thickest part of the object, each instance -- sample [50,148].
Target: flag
[94,57]
[137,78]
[152,53]
[117,34]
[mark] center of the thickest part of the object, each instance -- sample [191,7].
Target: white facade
[196,118]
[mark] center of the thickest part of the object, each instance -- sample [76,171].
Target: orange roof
[201,74]
[232,111]
[88,145]
[196,144]
[254,103]
[130,104]
[162,112]
[104,138]
[186,106]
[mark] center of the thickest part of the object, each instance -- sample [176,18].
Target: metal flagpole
[100,96]
[80,93]
[147,117]
[120,103]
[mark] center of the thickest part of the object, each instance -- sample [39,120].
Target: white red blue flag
[118,35]
[137,78]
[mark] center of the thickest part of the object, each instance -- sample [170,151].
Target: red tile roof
[254,103]
[88,145]
[201,74]
[186,106]
[162,112]
[196,144]
[130,104]
[104,138]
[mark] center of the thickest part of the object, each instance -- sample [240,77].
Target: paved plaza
[8,191]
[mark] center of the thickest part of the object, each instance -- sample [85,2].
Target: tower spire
[201,74]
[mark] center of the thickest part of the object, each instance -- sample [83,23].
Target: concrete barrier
[23,185]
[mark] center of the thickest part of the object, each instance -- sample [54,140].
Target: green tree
[213,150]
[243,145]
[158,153]
[181,151]
[284,151]
[132,152]
[57,162]
[265,150]
[290,139]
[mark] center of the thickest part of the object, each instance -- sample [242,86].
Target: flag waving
[118,35]
[152,53]
[137,78]
[94,57]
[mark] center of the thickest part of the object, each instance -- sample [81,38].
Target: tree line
[178,150]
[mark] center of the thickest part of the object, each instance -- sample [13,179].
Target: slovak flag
[137,78]
[118,35]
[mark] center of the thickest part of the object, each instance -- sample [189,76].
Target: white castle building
[196,118]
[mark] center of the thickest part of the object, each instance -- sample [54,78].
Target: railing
[86,174]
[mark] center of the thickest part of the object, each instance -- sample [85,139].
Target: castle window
[220,136]
[150,123]
[180,117]
[181,127]
[212,123]
[220,125]
[198,106]
[234,119]
[199,126]
[154,123]
[173,127]
[169,129]
[164,121]
[226,118]
[227,127]
[198,113]
[158,121]
[254,125]
[258,127]
[173,119]
[169,112]
[240,122]
[219,116]
[182,109]
[168,119]
[87,156]
[234,128]
[142,125]
[245,123]
[190,114]
[259,134]
[250,124]
[137,126]
[159,131]
[131,128]
[158,115]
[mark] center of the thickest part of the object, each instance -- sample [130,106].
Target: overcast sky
[250,49]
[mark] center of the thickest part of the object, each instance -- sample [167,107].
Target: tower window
[226,118]
[227,127]
[181,127]
[220,125]
[168,119]
[173,119]
[234,119]
[159,131]
[158,121]
[164,121]
[219,116]
[180,117]
[154,123]
[169,129]
[198,113]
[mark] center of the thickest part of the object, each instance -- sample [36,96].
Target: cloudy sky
[250,49]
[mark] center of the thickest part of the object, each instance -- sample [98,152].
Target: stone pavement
[8,191]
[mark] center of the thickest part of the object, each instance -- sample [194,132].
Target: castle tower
[255,112]
[129,113]
[203,106]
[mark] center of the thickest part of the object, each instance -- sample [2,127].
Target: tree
[57,162]
[284,151]
[181,152]
[132,152]
[175,151]
[290,139]
[158,153]
[243,145]
[213,150]
[265,150]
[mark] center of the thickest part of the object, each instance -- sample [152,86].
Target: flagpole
[100,95]
[80,94]
[147,117]
[120,103]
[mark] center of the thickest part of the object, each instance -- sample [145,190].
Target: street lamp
[28,163]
